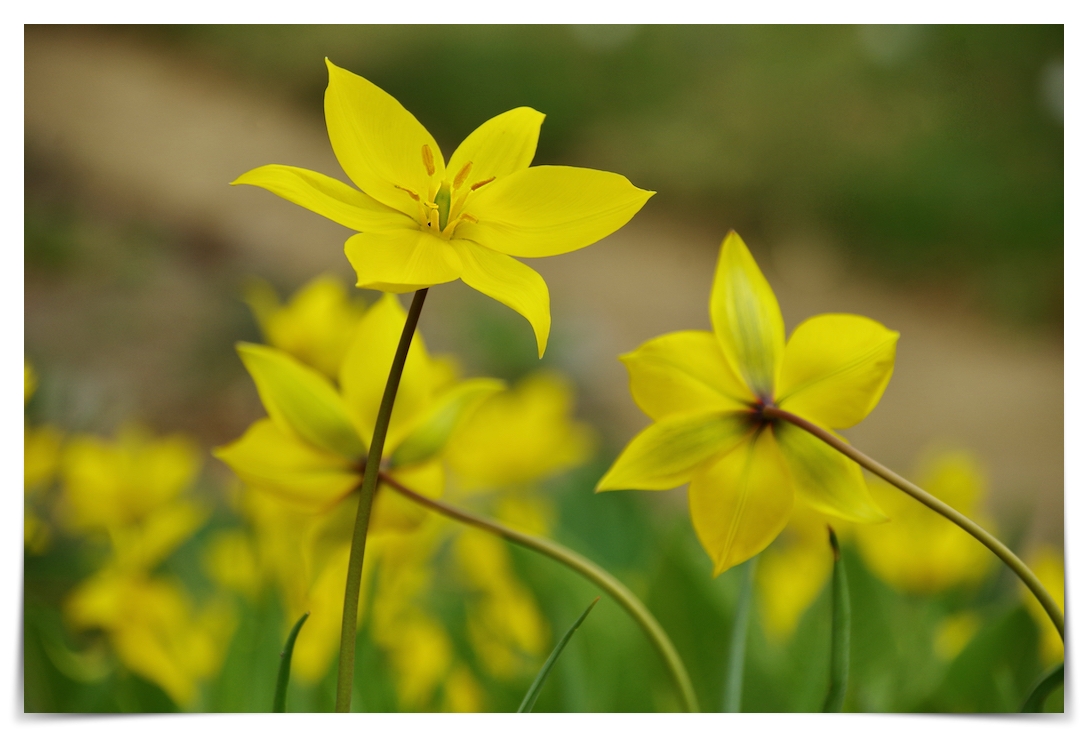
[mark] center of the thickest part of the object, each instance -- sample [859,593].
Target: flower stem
[346,671]
[584,567]
[996,546]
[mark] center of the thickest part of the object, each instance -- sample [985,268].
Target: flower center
[758,415]
[443,207]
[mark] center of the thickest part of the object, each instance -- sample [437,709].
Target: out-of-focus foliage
[931,152]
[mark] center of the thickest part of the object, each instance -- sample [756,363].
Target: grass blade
[734,674]
[1046,685]
[279,701]
[840,630]
[538,683]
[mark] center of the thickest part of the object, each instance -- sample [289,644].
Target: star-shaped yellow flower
[423,222]
[707,393]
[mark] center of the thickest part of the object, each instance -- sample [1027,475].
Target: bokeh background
[910,174]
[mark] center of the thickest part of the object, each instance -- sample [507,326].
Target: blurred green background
[911,173]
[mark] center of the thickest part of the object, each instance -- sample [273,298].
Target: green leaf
[734,674]
[840,630]
[1046,685]
[538,683]
[279,701]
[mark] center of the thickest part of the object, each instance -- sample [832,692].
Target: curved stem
[346,670]
[584,567]
[996,546]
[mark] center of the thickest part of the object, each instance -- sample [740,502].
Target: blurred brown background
[910,174]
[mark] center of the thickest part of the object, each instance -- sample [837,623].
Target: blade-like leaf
[1046,685]
[538,683]
[279,701]
[840,630]
[734,674]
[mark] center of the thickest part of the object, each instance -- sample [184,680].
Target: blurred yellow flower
[920,551]
[154,629]
[311,448]
[422,222]
[954,632]
[130,489]
[316,324]
[30,381]
[707,392]
[520,436]
[1048,564]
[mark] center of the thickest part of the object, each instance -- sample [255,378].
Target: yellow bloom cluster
[302,465]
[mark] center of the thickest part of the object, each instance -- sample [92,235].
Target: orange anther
[411,194]
[462,175]
[428,160]
[476,186]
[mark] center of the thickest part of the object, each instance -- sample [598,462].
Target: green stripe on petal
[434,429]
[741,501]
[825,478]
[501,146]
[684,372]
[835,369]
[745,316]
[269,459]
[511,282]
[301,401]
[401,261]
[548,210]
[379,143]
[665,454]
[326,196]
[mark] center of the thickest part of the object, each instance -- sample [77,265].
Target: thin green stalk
[537,685]
[279,699]
[582,566]
[346,671]
[996,546]
[840,630]
[1046,685]
[738,641]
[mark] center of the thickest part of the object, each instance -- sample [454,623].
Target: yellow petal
[511,282]
[392,512]
[326,196]
[835,368]
[746,318]
[401,260]
[664,455]
[825,478]
[741,501]
[548,210]
[269,459]
[683,372]
[300,400]
[433,429]
[503,145]
[378,143]
[365,370]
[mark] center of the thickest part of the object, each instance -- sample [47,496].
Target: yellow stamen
[428,160]
[462,175]
[476,186]
[411,194]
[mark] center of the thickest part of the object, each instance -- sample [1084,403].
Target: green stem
[840,630]
[734,674]
[346,672]
[996,546]
[584,567]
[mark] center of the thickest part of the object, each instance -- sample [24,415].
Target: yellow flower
[422,222]
[130,489]
[154,629]
[1047,563]
[30,381]
[312,446]
[919,551]
[315,326]
[707,392]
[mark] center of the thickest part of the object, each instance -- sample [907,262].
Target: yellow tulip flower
[312,446]
[919,551]
[422,222]
[707,393]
